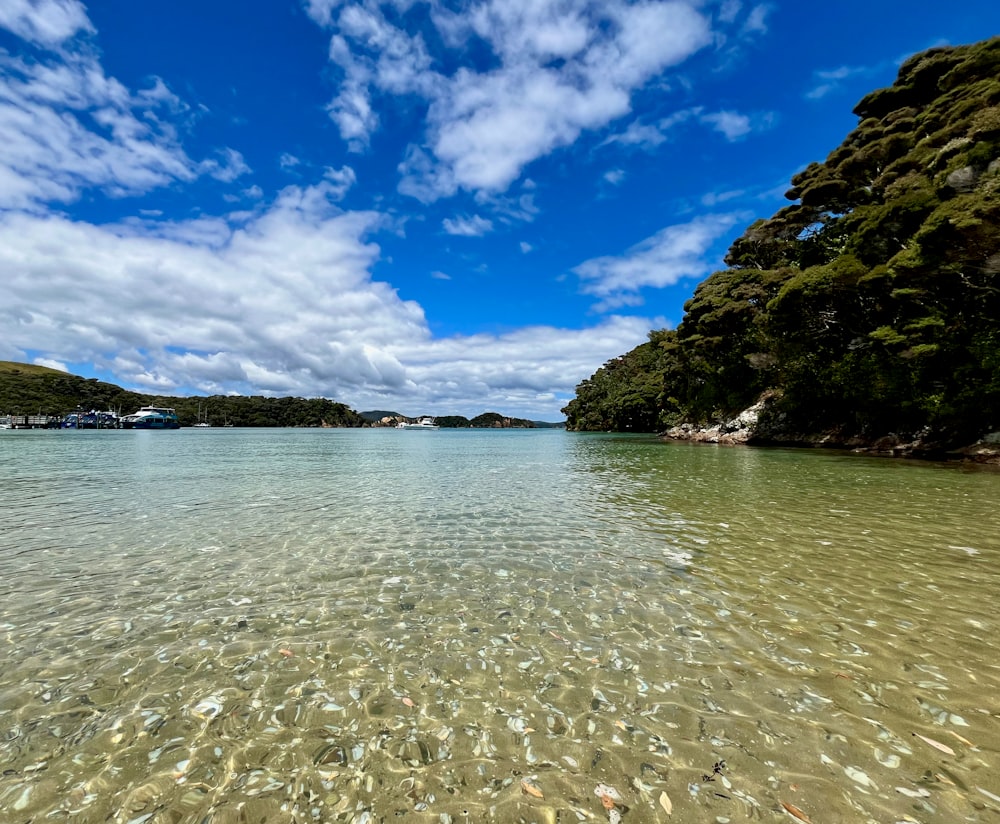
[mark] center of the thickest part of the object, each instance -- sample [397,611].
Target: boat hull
[152,417]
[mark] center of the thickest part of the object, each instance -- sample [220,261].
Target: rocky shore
[754,427]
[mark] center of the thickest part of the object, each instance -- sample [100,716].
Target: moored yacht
[151,417]
[423,423]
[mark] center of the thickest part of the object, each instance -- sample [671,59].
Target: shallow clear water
[230,625]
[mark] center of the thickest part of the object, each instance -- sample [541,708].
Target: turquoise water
[228,625]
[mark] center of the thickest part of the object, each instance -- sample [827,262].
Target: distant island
[865,315]
[487,420]
[28,389]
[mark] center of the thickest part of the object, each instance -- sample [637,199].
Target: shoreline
[985,452]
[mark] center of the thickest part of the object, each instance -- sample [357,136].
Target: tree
[872,303]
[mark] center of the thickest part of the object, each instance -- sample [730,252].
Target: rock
[760,426]
[962,180]
[738,430]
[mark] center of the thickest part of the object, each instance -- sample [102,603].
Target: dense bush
[872,305]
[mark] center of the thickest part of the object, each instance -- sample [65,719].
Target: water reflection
[353,626]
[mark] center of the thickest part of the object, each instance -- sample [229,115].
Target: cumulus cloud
[283,303]
[474,226]
[731,124]
[51,364]
[756,22]
[558,68]
[280,298]
[339,181]
[229,166]
[673,253]
[44,22]
[288,293]
[534,370]
[65,126]
[639,134]
[614,176]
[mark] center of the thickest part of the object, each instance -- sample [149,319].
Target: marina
[30,421]
[347,626]
[147,417]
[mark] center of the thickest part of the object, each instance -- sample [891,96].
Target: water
[241,626]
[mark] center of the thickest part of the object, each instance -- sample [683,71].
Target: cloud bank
[526,77]
[281,299]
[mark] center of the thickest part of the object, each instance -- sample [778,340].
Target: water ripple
[351,626]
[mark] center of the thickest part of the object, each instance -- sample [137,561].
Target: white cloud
[352,111]
[66,127]
[729,10]
[282,303]
[715,198]
[639,134]
[533,370]
[830,80]
[561,67]
[731,124]
[614,176]
[44,22]
[756,22]
[51,364]
[673,253]
[474,226]
[322,10]
[339,181]
[280,299]
[290,293]
[230,167]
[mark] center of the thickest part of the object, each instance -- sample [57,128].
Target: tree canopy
[869,305]
[28,390]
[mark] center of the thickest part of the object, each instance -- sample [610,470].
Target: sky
[425,206]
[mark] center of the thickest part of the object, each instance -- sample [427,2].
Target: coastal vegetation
[29,389]
[869,307]
[487,420]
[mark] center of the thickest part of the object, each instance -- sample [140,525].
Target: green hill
[868,308]
[374,415]
[26,389]
[27,369]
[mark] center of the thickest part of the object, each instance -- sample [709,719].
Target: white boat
[202,422]
[151,417]
[423,423]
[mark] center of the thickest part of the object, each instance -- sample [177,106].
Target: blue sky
[434,207]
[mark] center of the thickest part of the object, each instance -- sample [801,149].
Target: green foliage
[453,422]
[868,307]
[626,394]
[35,390]
[375,415]
[494,420]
